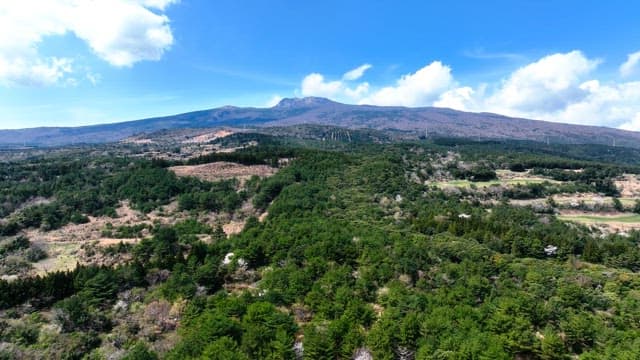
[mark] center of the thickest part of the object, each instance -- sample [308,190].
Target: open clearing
[207,137]
[62,256]
[629,185]
[505,178]
[576,200]
[93,229]
[626,218]
[467,183]
[609,222]
[64,246]
[223,170]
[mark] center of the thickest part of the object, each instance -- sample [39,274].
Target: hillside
[436,122]
[325,243]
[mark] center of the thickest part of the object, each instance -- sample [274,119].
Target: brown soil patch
[524,202]
[223,170]
[575,200]
[234,227]
[91,230]
[64,246]
[590,213]
[206,137]
[629,185]
[229,150]
[138,141]
[111,241]
[586,199]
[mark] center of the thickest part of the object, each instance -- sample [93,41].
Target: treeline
[562,156]
[599,178]
[88,187]
[251,155]
[170,248]
[475,173]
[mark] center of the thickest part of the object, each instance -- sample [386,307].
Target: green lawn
[628,201]
[624,218]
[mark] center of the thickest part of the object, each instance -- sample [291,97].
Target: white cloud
[417,89]
[633,125]
[559,87]
[275,99]
[121,32]
[357,92]
[631,65]
[93,78]
[159,4]
[562,88]
[40,72]
[315,85]
[609,105]
[356,73]
[546,85]
[461,98]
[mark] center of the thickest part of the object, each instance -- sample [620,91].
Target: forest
[358,256]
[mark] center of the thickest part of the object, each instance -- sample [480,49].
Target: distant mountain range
[437,122]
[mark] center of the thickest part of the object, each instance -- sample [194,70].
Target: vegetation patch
[358,257]
[221,170]
[499,182]
[602,218]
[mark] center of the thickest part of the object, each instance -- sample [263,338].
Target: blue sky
[67,63]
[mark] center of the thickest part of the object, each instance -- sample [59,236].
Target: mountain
[313,110]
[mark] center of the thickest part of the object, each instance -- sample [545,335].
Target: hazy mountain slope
[435,121]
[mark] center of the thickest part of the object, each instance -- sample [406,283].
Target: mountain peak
[310,101]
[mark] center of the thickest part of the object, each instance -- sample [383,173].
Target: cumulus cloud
[40,72]
[275,100]
[546,85]
[461,98]
[356,73]
[417,89]
[315,84]
[562,87]
[559,87]
[121,32]
[633,125]
[631,65]
[605,104]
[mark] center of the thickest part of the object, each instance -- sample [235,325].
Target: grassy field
[480,184]
[628,201]
[62,257]
[623,218]
[604,199]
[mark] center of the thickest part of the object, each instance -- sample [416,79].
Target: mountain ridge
[430,121]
